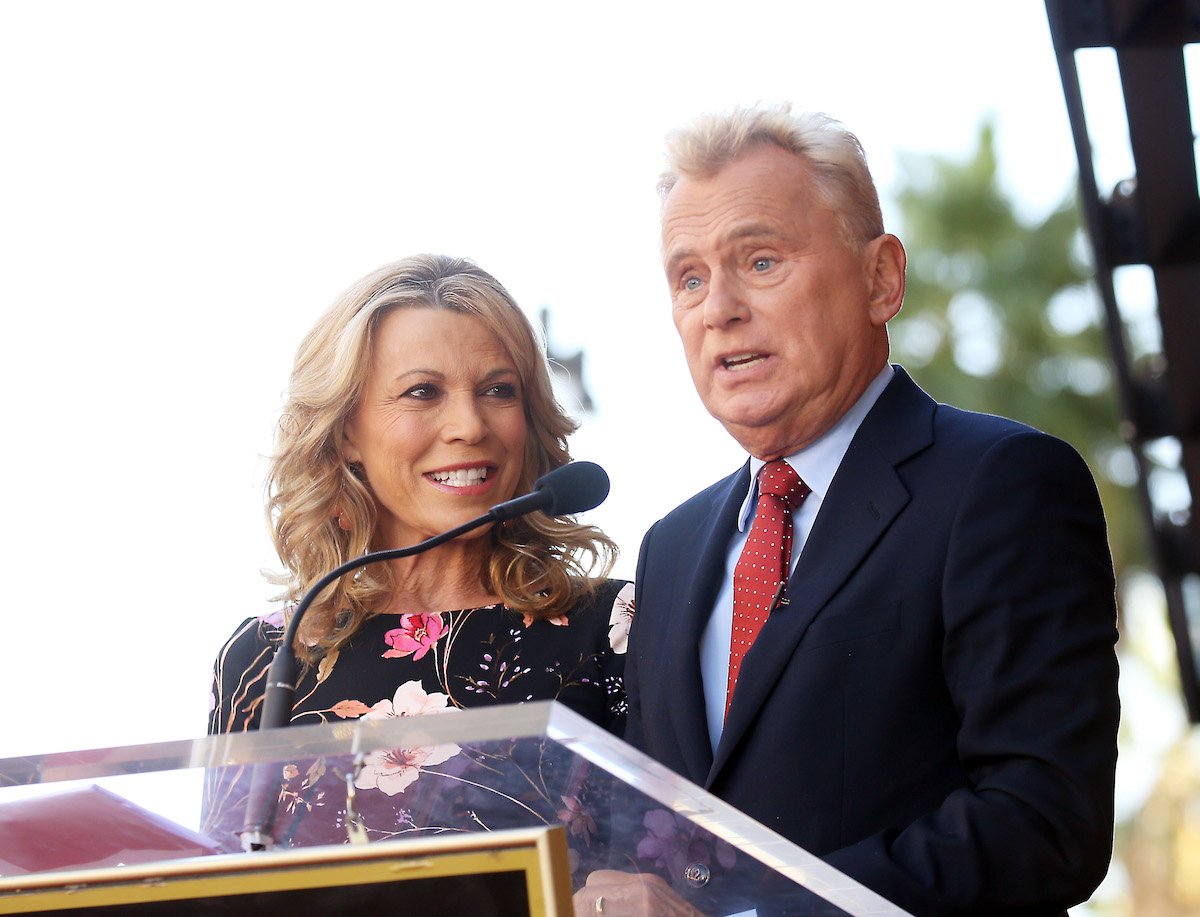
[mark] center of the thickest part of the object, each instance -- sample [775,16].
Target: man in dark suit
[930,704]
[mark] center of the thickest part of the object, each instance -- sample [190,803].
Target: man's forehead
[723,213]
[681,239]
[759,182]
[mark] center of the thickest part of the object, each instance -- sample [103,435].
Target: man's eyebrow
[742,231]
[677,255]
[751,231]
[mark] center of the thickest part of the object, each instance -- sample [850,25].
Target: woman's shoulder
[603,596]
[609,608]
[253,638]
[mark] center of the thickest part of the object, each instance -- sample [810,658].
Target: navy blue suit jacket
[935,712]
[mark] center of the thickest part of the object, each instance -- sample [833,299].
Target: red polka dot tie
[762,570]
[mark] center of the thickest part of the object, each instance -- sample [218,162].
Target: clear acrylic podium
[499,810]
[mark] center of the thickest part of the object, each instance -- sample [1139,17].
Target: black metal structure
[1152,219]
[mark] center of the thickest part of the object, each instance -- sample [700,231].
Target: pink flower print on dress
[410,699]
[414,637]
[393,770]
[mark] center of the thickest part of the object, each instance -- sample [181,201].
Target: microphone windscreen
[574,488]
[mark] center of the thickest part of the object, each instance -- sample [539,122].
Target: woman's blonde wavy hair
[539,565]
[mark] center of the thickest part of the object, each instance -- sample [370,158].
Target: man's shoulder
[908,425]
[976,431]
[905,403]
[969,444]
[977,425]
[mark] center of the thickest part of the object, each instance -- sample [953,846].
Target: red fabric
[762,569]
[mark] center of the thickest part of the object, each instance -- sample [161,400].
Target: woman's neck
[444,579]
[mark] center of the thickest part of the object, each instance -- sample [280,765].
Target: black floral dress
[418,664]
[396,665]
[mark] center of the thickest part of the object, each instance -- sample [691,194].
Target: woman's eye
[423,392]
[762,264]
[502,390]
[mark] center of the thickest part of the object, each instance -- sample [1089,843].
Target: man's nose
[725,301]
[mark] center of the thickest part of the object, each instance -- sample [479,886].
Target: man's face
[782,321]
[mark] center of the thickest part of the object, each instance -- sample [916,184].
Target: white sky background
[184,189]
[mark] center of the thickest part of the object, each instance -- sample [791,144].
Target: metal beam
[1153,218]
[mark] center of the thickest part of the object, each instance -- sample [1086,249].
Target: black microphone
[568,489]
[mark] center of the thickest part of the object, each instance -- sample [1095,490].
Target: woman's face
[440,430]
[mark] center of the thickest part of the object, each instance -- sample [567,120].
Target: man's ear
[886,262]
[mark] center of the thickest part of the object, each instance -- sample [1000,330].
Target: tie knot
[779,479]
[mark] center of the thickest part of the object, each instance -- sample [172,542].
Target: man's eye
[762,264]
[692,283]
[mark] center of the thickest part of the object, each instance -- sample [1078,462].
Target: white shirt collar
[818,462]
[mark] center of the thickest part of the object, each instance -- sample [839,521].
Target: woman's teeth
[460,477]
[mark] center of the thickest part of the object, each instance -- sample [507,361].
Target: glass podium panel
[405,780]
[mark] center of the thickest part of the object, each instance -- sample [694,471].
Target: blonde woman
[418,401]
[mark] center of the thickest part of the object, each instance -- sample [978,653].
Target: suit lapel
[701,566]
[865,497]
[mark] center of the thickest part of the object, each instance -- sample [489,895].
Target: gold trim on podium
[539,854]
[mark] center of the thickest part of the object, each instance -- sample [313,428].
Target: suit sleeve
[1029,626]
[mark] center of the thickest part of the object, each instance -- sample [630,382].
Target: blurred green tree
[999,317]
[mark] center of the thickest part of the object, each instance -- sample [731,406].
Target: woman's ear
[350,451]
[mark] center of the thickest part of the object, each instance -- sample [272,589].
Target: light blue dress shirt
[816,464]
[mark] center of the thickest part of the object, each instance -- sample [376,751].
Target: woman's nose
[463,420]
